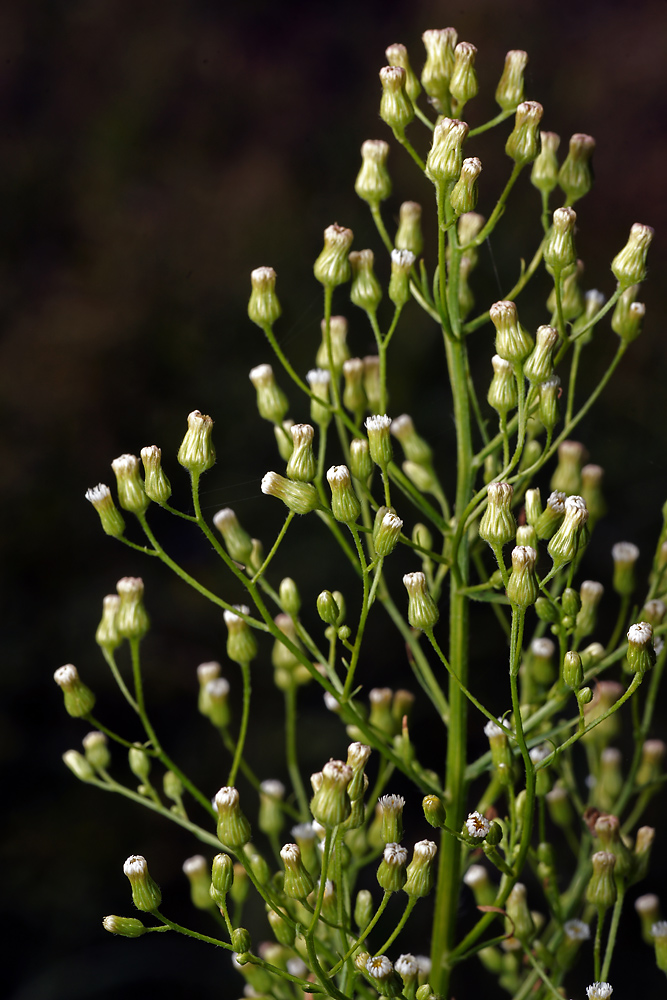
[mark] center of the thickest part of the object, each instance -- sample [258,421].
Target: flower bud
[414,447]
[625,556]
[132,621]
[523,586]
[526,535]
[302,464]
[522,143]
[391,818]
[241,943]
[327,608]
[129,927]
[420,872]
[408,969]
[659,935]
[539,366]
[463,85]
[477,879]
[379,440]
[372,381]
[552,516]
[570,537]
[361,465]
[96,749]
[382,976]
[300,498]
[196,871]
[363,908]
[641,654]
[373,183]
[156,484]
[559,253]
[509,92]
[233,827]
[567,476]
[642,852]
[146,894]
[650,768]
[422,609]
[628,315]
[402,262]
[110,517]
[397,55]
[575,932]
[79,699]
[498,526]
[391,874]
[629,265]
[272,403]
[78,765]
[107,636]
[434,811]
[365,291]
[197,453]
[503,395]
[263,307]
[591,594]
[330,805]
[222,878]
[647,908]
[237,541]
[319,380]
[477,826]
[339,349]
[131,493]
[522,924]
[395,106]
[591,491]
[463,197]
[575,177]
[214,701]
[332,267]
[241,642]
[572,299]
[601,889]
[437,71]
[290,599]
[409,233]
[544,175]
[445,157]
[387,533]
[345,506]
[139,762]
[608,832]
[513,343]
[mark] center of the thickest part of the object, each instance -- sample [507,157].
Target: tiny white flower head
[379,967]
[331,702]
[477,825]
[208,671]
[395,854]
[403,259]
[318,378]
[391,802]
[599,991]
[297,967]
[406,965]
[476,875]
[304,831]
[231,618]
[226,798]
[425,850]
[196,865]
[379,422]
[641,633]
[66,676]
[424,964]
[539,753]
[98,494]
[543,647]
[217,688]
[135,865]
[576,930]
[492,729]
[272,787]
[659,929]
[290,853]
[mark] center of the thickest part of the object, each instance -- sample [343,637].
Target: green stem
[190,933]
[291,751]
[245,715]
[364,934]
[412,901]
[613,930]
[274,549]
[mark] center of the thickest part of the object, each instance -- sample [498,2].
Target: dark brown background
[152,154]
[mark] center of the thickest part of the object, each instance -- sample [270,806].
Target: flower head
[477,825]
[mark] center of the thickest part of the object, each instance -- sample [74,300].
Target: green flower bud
[107,636]
[395,106]
[300,498]
[575,932]
[650,768]
[397,55]
[414,447]
[628,315]
[319,380]
[196,452]
[345,506]
[79,699]
[503,394]
[213,695]
[469,226]
[608,832]
[422,609]
[129,927]
[591,491]
[263,308]
[332,267]
[339,349]
[437,71]
[498,526]
[284,933]
[272,403]
[197,873]
[420,872]
[501,755]
[110,517]
[131,493]
[539,366]
[575,177]
[133,621]
[463,197]
[282,434]
[373,183]
[641,654]
[591,594]
[302,464]
[463,85]
[523,586]
[526,535]
[421,476]
[96,749]
[357,757]
[541,661]
[629,265]
[365,291]
[570,537]
[391,874]
[559,806]
[477,879]
[271,794]
[386,533]
[139,761]
[647,908]
[445,157]
[330,804]
[552,516]
[625,556]
[78,765]
[402,262]
[573,672]
[233,827]
[379,439]
[601,888]
[372,381]
[241,642]
[559,253]
[222,878]
[509,92]
[241,943]
[290,599]
[522,925]
[544,175]
[522,143]
[642,853]
[146,894]
[382,976]
[156,484]
[533,506]
[354,397]
[570,602]
[391,818]
[573,302]
[327,608]
[610,779]
[513,343]
[409,233]
[434,811]
[237,541]
[282,658]
[550,392]
[659,935]
[363,908]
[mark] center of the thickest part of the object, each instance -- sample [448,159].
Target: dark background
[153,154]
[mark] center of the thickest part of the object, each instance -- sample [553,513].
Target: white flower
[476,875]
[576,930]
[659,929]
[477,825]
[406,965]
[492,729]
[395,854]
[379,967]
[599,991]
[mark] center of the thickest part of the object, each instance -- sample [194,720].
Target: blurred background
[152,155]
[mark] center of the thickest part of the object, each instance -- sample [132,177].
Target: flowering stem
[111,660]
[613,929]
[189,933]
[291,752]
[380,226]
[399,135]
[499,209]
[274,549]
[238,754]
[399,926]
